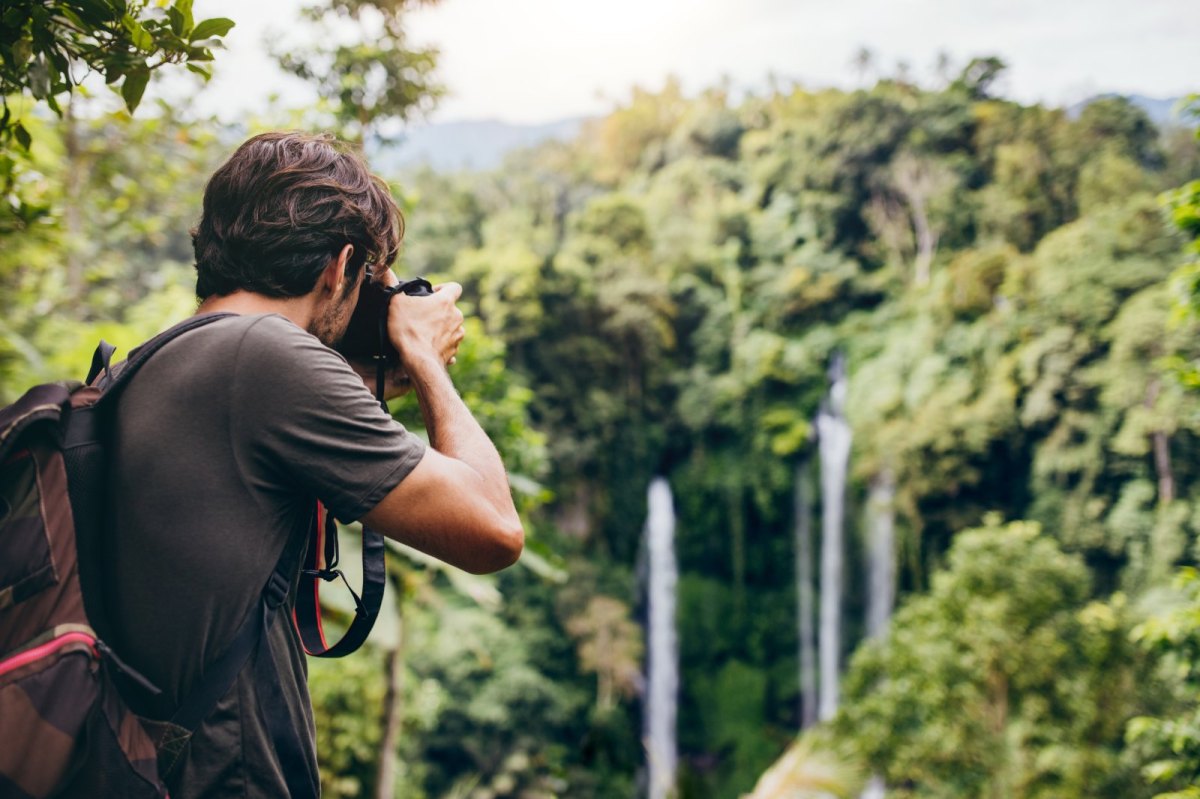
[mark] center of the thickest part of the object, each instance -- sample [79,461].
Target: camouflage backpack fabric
[62,719]
[65,722]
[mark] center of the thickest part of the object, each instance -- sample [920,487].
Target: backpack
[75,720]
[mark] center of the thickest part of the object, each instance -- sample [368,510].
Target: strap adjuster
[329,575]
[277,590]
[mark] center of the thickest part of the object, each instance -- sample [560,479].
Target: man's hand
[426,330]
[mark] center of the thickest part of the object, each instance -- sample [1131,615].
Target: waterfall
[804,596]
[833,438]
[663,651]
[875,789]
[881,574]
[881,553]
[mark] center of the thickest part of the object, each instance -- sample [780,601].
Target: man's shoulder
[277,338]
[262,338]
[268,328]
[233,330]
[244,348]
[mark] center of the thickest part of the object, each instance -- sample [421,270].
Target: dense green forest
[664,296]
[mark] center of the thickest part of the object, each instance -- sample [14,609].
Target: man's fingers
[454,289]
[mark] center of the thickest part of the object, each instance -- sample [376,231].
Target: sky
[531,61]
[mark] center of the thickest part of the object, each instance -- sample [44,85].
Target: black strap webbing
[297,760]
[219,675]
[308,605]
[101,361]
[252,639]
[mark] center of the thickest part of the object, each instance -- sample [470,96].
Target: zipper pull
[127,670]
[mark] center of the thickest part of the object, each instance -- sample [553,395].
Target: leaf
[75,19]
[217,26]
[185,8]
[201,71]
[177,21]
[22,51]
[140,37]
[135,86]
[23,137]
[96,12]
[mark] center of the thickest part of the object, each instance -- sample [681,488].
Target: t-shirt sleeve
[308,421]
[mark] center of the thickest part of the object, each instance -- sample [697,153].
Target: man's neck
[298,309]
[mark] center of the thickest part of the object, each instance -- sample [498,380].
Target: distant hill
[1162,111]
[468,145]
[481,145]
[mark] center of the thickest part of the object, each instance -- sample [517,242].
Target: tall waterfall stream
[833,444]
[662,691]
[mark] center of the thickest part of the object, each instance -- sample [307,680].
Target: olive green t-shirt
[224,441]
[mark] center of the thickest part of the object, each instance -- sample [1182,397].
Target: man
[228,436]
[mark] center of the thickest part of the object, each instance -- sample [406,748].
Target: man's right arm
[456,503]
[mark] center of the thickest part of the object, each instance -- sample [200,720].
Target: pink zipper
[37,652]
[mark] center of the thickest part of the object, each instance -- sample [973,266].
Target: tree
[373,77]
[863,62]
[610,645]
[48,47]
[1184,205]
[114,260]
[978,77]
[45,43]
[1002,681]
[921,184]
[1169,741]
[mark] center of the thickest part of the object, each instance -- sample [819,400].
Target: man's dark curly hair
[281,207]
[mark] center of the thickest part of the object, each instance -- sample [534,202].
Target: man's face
[333,316]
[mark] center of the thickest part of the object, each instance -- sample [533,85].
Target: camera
[366,337]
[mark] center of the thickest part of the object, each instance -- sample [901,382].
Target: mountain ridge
[482,144]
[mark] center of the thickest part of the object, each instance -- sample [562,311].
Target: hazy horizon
[494,57]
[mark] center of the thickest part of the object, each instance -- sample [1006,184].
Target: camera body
[366,337]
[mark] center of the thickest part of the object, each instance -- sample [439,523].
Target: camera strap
[321,565]
[321,556]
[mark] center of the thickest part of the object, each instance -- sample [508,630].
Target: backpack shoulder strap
[252,644]
[115,379]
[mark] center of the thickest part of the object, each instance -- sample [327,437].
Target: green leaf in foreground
[23,137]
[217,26]
[135,86]
[140,37]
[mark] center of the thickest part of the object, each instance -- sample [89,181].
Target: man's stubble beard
[331,320]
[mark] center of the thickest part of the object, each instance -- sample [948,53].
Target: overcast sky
[540,60]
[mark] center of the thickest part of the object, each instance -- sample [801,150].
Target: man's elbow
[503,548]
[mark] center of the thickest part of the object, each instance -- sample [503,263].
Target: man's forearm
[454,432]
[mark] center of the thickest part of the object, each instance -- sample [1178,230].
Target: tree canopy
[662,296]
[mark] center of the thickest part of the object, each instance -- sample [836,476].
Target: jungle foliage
[662,296]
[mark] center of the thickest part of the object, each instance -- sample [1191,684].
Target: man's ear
[333,276]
